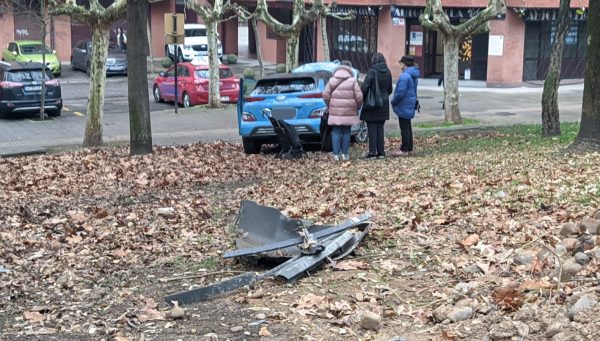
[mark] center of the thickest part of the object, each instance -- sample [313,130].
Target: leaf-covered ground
[468,242]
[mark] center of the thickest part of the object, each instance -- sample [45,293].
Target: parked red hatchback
[192,85]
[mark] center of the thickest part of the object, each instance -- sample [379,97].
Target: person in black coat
[376,117]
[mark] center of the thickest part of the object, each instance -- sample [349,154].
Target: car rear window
[35,49]
[285,85]
[223,73]
[25,76]
[195,32]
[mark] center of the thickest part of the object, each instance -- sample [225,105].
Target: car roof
[193,26]
[23,42]
[20,66]
[289,75]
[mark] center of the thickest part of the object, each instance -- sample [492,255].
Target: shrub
[280,68]
[249,73]
[231,59]
[167,62]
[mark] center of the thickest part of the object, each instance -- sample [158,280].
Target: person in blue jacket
[404,102]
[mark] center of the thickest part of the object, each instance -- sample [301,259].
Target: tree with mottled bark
[251,19]
[99,19]
[550,113]
[213,14]
[140,131]
[434,18]
[588,138]
[300,18]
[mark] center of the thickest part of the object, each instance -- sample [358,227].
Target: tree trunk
[451,109]
[291,51]
[214,94]
[43,97]
[95,107]
[550,113]
[588,138]
[150,52]
[258,53]
[326,56]
[137,83]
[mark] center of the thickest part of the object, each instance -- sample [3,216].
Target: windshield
[195,32]
[25,76]
[282,86]
[223,73]
[35,49]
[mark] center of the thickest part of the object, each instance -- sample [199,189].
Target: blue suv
[294,97]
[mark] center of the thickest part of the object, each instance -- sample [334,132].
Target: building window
[354,40]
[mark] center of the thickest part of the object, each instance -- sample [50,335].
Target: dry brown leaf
[509,298]
[33,316]
[470,240]
[351,265]
[264,331]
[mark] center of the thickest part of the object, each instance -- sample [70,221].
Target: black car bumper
[52,104]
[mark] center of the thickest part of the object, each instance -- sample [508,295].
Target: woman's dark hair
[377,58]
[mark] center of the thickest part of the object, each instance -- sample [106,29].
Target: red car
[192,85]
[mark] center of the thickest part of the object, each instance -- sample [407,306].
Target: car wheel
[57,75]
[156,93]
[54,113]
[88,69]
[187,102]
[363,134]
[180,57]
[73,65]
[251,146]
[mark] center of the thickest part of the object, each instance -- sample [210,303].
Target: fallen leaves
[509,298]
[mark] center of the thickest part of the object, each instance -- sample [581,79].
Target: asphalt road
[23,134]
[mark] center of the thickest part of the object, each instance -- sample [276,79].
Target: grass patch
[517,136]
[442,124]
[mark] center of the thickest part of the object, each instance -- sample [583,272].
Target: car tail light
[248,117]
[8,85]
[254,99]
[201,83]
[317,113]
[313,95]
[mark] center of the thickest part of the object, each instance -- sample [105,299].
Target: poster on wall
[398,21]
[416,38]
[496,46]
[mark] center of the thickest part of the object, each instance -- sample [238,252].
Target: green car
[25,51]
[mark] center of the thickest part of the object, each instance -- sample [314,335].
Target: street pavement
[491,106]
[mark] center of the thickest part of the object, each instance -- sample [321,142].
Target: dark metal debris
[266,232]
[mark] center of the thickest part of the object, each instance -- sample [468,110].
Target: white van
[195,44]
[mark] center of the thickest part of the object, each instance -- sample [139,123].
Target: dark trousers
[407,135]
[375,131]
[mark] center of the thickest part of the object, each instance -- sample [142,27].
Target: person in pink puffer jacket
[343,96]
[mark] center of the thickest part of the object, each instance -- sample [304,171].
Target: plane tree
[434,18]
[99,18]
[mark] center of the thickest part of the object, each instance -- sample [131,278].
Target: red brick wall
[391,41]
[157,25]
[272,50]
[229,36]
[8,32]
[507,70]
[62,38]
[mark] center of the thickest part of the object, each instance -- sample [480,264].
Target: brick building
[516,49]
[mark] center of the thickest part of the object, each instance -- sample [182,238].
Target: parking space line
[66,109]
[77,113]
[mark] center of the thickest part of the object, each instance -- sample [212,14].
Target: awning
[358,10]
[547,14]
[453,13]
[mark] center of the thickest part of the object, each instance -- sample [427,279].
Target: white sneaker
[336,157]
[345,157]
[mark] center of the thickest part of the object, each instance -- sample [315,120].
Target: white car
[195,44]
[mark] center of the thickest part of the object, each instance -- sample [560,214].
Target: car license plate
[33,88]
[224,98]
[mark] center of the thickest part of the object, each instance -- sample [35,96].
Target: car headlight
[318,113]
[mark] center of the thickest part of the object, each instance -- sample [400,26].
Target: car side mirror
[162,73]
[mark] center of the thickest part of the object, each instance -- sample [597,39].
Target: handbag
[373,100]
